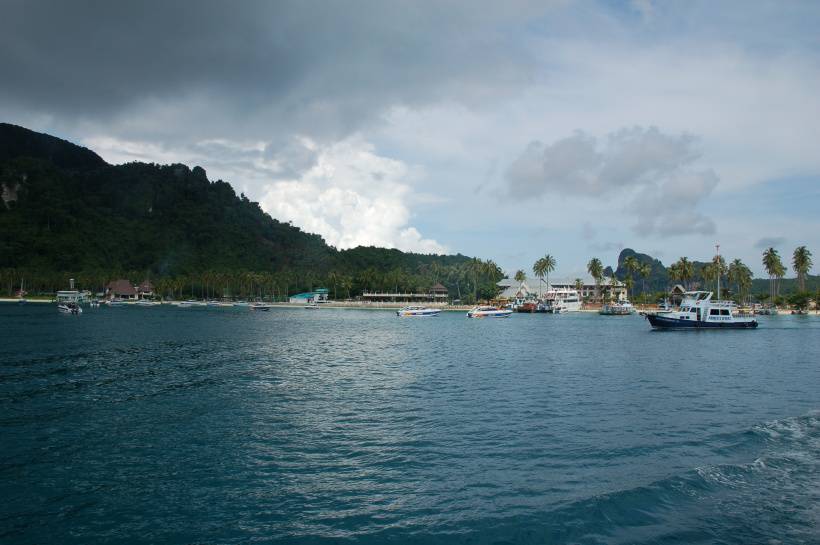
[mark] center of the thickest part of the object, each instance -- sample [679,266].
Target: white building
[531,287]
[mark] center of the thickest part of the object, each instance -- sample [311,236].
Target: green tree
[631,264]
[644,270]
[596,270]
[775,269]
[801,261]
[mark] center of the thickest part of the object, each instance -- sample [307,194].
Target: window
[714,312]
[724,312]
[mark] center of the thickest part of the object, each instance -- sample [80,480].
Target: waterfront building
[145,290]
[435,294]
[319,295]
[121,289]
[529,289]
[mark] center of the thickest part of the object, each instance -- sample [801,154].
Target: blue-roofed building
[316,296]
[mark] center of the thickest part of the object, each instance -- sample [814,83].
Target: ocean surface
[224,426]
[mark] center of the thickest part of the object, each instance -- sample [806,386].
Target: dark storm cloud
[312,65]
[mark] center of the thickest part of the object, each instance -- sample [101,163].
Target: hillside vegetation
[67,213]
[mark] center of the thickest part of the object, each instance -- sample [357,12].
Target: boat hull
[666,322]
[418,313]
[499,314]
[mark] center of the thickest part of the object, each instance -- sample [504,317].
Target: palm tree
[775,269]
[801,261]
[644,270]
[631,264]
[539,269]
[685,271]
[333,278]
[596,270]
[579,287]
[520,276]
[739,274]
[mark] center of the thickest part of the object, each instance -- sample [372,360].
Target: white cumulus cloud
[352,197]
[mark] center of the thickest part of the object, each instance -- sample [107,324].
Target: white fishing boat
[560,300]
[699,311]
[489,312]
[619,308]
[418,311]
[69,308]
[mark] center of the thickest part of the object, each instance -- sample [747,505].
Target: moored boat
[620,308]
[69,308]
[529,306]
[699,311]
[260,306]
[560,300]
[489,312]
[418,311]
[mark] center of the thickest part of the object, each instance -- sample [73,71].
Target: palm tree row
[475,277]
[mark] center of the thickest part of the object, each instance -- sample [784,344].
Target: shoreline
[351,305]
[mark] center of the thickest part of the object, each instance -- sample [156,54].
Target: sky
[503,130]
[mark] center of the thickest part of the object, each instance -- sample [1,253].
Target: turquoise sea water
[223,426]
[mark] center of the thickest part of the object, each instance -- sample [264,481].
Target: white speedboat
[418,311]
[699,311]
[560,300]
[147,303]
[69,308]
[115,303]
[620,308]
[489,312]
[260,306]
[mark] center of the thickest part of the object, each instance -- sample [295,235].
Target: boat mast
[717,264]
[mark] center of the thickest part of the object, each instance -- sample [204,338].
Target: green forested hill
[66,212]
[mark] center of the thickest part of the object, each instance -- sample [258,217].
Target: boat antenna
[717,264]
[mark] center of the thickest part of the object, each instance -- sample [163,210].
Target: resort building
[121,289]
[316,296]
[436,294]
[532,288]
[145,290]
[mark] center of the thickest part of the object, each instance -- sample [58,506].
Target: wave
[770,497]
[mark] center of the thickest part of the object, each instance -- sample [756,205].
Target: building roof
[556,281]
[146,287]
[306,295]
[121,287]
[438,288]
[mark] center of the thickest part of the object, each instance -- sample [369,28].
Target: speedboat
[620,308]
[115,303]
[699,311]
[418,311]
[489,312]
[147,303]
[260,306]
[69,308]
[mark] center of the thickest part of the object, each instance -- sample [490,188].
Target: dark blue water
[222,426]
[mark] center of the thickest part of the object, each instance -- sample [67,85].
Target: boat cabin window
[714,312]
[724,312]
